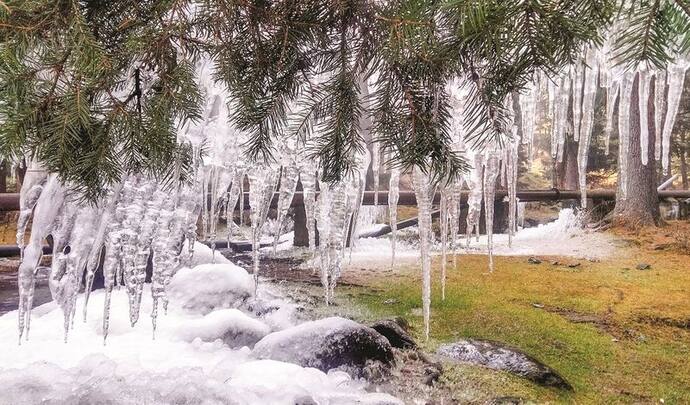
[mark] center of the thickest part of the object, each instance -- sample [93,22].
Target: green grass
[617,359]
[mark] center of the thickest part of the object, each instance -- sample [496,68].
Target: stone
[533,260]
[395,334]
[643,266]
[329,343]
[498,356]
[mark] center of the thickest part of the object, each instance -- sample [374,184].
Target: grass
[617,334]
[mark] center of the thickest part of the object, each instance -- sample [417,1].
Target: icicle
[308,180]
[443,218]
[577,76]
[47,209]
[454,218]
[624,132]
[512,166]
[528,110]
[393,196]
[376,168]
[676,79]
[424,193]
[491,169]
[32,186]
[590,93]
[643,90]
[288,183]
[611,96]
[558,130]
[474,200]
[261,188]
[659,98]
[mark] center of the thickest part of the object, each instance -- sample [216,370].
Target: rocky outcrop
[330,343]
[502,357]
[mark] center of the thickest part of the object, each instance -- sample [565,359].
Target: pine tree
[95,89]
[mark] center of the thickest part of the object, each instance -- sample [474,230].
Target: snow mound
[99,380]
[207,287]
[327,344]
[232,326]
[204,255]
[274,382]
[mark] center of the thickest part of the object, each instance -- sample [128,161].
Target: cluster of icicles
[141,220]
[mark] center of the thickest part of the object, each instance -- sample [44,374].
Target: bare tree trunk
[640,205]
[3,177]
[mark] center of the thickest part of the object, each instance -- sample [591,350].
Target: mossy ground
[616,333]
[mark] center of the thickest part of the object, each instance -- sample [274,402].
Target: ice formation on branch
[142,225]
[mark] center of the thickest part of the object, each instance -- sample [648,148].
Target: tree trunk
[639,206]
[3,177]
[682,151]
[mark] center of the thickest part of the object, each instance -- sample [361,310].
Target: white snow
[209,286]
[204,255]
[133,368]
[231,325]
[562,237]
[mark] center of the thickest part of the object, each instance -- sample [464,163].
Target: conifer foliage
[94,89]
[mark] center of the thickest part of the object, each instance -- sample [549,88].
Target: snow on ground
[562,237]
[189,361]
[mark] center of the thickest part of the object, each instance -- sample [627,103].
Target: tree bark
[682,151]
[639,205]
[3,177]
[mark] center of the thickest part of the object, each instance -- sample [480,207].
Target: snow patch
[209,286]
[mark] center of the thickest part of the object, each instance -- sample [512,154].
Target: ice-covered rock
[326,344]
[207,287]
[232,326]
[498,356]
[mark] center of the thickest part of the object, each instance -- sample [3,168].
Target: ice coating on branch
[424,192]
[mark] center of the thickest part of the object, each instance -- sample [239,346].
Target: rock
[574,265]
[643,266]
[533,260]
[207,287]
[330,343]
[232,326]
[555,263]
[395,334]
[498,356]
[432,375]
[390,301]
